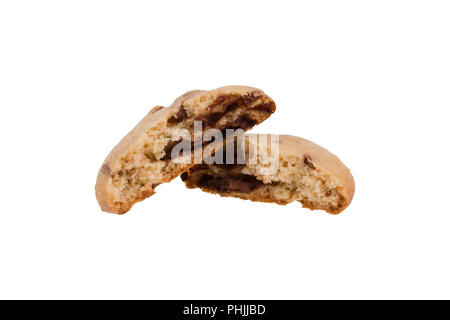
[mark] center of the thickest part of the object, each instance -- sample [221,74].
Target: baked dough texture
[143,159]
[305,172]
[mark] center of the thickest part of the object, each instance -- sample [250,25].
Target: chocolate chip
[106,170]
[249,98]
[179,116]
[308,161]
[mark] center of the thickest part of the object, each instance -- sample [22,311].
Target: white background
[369,80]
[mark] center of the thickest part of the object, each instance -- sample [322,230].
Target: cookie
[143,159]
[298,170]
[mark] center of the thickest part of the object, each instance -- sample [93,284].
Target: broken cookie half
[279,169]
[147,156]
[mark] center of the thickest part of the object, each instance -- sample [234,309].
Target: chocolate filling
[233,106]
[243,122]
[210,119]
[265,107]
[227,167]
[220,100]
[241,183]
[184,176]
[232,102]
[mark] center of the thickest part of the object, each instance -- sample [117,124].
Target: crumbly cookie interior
[149,162]
[295,180]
